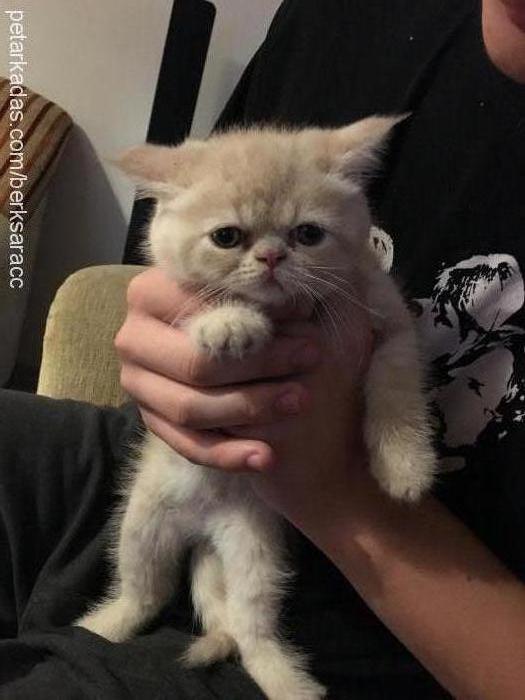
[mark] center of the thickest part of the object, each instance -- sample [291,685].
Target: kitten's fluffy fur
[265,182]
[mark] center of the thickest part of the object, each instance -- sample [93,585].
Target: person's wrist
[352,523]
[366,532]
[339,506]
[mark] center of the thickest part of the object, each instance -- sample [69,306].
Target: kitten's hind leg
[255,573]
[209,599]
[397,428]
[149,547]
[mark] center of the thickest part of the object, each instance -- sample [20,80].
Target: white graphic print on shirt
[477,357]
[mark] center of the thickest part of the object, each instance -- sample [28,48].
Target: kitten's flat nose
[271,257]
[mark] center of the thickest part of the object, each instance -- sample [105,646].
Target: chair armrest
[79,360]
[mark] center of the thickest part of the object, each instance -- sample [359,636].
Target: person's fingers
[211,449]
[152,293]
[273,434]
[207,408]
[169,351]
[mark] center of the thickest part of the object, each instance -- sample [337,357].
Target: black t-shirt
[449,210]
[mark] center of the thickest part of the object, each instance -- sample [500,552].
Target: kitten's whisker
[188,306]
[325,267]
[329,269]
[335,316]
[338,341]
[337,278]
[344,293]
[319,302]
[200,298]
[331,275]
[334,279]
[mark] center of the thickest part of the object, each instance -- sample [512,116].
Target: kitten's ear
[356,148]
[159,171]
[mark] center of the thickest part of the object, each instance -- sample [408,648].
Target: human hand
[184,396]
[321,466]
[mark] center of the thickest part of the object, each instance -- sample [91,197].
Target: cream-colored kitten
[250,219]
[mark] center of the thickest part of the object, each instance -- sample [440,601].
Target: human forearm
[443,594]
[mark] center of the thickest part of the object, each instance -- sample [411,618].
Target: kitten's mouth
[272,286]
[269,278]
[266,288]
[272,282]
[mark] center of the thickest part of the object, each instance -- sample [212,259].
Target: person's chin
[516,13]
[504,36]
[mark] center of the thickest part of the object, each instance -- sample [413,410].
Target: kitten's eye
[309,234]
[227,237]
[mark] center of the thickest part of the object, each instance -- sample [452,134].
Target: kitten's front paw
[230,330]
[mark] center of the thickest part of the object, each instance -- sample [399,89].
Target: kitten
[253,218]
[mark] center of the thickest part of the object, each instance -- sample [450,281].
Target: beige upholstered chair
[79,360]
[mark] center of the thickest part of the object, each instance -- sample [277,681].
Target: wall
[100,60]
[240,27]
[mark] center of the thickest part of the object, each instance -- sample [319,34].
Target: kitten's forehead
[265,165]
[264,178]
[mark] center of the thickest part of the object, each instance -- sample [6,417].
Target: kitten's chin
[273,294]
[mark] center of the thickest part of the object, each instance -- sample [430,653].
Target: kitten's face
[260,222]
[261,214]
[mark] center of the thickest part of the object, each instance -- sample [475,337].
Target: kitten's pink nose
[271,257]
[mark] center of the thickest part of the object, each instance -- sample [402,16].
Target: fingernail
[307,356]
[255,461]
[289,403]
